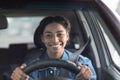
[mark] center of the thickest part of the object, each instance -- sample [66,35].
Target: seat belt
[74,56]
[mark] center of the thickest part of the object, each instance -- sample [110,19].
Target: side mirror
[3,22]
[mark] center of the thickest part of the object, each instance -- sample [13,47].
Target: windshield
[23,33]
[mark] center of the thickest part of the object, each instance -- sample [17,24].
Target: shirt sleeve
[33,75]
[29,78]
[87,62]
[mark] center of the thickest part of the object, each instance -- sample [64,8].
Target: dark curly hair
[47,20]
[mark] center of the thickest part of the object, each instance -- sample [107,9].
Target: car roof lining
[12,4]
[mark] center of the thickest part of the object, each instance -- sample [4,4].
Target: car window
[113,51]
[115,8]
[118,8]
[112,45]
[20,30]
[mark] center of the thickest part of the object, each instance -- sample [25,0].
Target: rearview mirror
[3,22]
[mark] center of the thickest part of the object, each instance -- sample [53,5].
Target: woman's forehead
[54,26]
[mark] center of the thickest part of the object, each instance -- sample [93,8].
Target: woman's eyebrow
[60,31]
[51,32]
[47,32]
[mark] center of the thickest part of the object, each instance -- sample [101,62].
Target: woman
[53,32]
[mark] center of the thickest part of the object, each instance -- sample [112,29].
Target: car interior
[89,19]
[17,53]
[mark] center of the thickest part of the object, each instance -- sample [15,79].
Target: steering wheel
[71,66]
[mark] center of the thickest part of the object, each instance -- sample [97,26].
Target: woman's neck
[55,55]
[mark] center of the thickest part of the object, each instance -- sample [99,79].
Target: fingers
[23,66]
[18,74]
[78,64]
[85,73]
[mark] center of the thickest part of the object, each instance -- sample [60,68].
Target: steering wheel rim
[40,64]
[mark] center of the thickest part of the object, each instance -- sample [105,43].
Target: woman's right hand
[18,74]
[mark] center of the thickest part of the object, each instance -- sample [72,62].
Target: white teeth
[55,45]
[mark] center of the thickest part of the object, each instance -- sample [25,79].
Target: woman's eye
[48,36]
[60,35]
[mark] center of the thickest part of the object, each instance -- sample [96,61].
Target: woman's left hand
[85,73]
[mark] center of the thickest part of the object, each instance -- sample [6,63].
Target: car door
[106,47]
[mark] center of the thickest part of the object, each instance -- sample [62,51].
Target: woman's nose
[55,39]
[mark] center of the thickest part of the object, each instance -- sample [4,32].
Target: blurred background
[114,5]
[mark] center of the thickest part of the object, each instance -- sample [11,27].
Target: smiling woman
[53,32]
[88,18]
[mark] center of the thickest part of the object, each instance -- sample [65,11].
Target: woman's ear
[68,36]
[42,39]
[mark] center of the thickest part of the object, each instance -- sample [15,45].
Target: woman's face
[55,38]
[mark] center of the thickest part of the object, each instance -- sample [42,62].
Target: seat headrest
[3,22]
